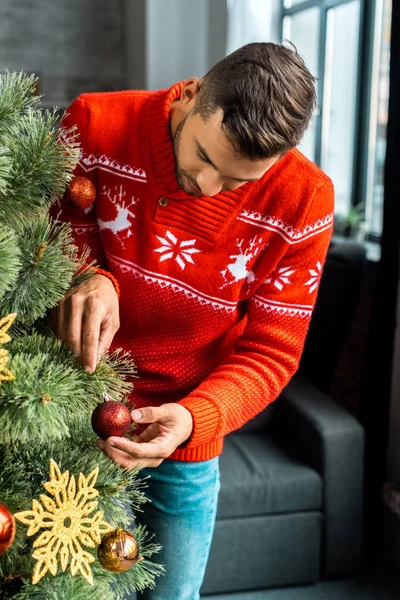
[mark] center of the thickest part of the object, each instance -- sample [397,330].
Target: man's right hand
[87,319]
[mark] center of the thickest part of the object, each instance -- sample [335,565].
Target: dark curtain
[376,388]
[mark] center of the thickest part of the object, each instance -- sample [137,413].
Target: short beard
[180,173]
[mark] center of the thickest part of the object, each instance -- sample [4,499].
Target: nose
[209,182]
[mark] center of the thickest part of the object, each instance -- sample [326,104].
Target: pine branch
[107,586]
[17,95]
[84,270]
[113,375]
[10,263]
[42,164]
[120,494]
[45,411]
[5,169]
[51,388]
[143,574]
[49,260]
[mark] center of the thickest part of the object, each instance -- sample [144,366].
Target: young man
[215,228]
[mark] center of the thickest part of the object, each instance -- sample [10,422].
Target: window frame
[363,94]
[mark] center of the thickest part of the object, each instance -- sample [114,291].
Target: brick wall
[72,45]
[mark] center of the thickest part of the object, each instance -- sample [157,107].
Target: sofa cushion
[264,551]
[258,477]
[260,422]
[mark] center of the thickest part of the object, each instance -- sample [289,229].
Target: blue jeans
[181,514]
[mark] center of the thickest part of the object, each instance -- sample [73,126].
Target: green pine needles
[10,256]
[46,407]
[35,165]
[48,387]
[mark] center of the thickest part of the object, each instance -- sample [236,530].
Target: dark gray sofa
[290,505]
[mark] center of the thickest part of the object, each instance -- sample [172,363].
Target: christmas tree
[66,526]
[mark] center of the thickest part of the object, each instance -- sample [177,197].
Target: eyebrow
[205,156]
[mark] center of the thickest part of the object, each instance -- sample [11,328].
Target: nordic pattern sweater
[216,293]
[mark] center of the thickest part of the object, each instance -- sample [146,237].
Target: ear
[189,93]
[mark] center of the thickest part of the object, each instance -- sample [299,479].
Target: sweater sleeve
[268,352]
[85,229]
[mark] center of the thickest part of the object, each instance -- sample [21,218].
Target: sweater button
[163,201]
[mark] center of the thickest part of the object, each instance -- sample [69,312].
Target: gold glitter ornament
[118,551]
[5,324]
[67,524]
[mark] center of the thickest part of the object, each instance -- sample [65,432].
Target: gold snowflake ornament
[67,524]
[5,324]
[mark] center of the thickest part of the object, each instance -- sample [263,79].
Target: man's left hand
[171,425]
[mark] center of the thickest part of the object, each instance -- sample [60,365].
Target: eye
[202,157]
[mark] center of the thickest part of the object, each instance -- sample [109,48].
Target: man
[213,229]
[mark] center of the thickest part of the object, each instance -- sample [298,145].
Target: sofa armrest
[332,442]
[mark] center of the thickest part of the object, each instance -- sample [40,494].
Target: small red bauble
[7,528]
[111,418]
[81,192]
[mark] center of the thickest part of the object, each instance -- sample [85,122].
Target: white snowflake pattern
[173,248]
[315,277]
[238,269]
[281,277]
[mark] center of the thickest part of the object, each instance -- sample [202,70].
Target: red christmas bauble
[81,192]
[111,418]
[7,528]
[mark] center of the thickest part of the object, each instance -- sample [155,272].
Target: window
[378,116]
[346,45]
[296,28]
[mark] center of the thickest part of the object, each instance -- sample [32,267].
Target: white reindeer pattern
[238,270]
[122,223]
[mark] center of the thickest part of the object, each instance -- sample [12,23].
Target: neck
[176,115]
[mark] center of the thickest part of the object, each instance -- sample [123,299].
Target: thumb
[151,414]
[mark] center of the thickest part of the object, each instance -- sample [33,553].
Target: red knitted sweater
[216,293]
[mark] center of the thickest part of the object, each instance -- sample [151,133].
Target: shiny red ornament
[81,192]
[7,528]
[111,418]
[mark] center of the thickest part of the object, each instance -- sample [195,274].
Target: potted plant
[349,225]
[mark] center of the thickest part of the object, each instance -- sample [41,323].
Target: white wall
[177,41]
[171,40]
[167,41]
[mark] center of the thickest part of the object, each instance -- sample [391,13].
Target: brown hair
[267,95]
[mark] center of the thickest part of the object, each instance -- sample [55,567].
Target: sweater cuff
[111,278]
[206,421]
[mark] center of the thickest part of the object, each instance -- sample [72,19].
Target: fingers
[107,333]
[122,458]
[90,339]
[125,460]
[69,322]
[73,324]
[148,434]
[159,447]
[87,319]
[170,425]
[154,444]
